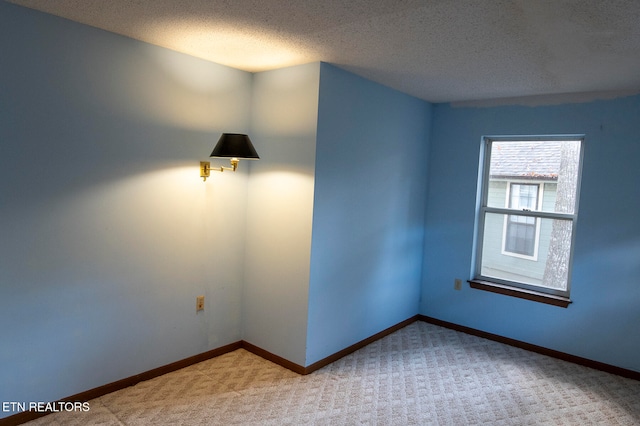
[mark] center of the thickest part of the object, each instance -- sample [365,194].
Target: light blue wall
[284,117]
[107,234]
[366,256]
[602,322]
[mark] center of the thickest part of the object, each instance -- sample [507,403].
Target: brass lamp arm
[205,168]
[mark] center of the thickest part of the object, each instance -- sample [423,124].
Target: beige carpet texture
[420,375]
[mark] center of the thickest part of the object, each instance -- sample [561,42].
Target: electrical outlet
[199,303]
[457,284]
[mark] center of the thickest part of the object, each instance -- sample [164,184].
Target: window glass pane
[548,269]
[524,196]
[521,235]
[551,163]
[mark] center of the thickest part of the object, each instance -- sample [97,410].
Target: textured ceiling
[437,50]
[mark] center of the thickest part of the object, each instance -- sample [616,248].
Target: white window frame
[483,209]
[536,245]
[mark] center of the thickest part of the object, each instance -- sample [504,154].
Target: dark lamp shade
[234,145]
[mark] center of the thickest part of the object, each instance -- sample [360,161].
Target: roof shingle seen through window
[525,159]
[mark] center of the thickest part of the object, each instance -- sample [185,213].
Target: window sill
[535,296]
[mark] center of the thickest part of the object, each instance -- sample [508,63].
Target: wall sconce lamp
[230,145]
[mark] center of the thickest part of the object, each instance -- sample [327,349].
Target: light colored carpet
[420,375]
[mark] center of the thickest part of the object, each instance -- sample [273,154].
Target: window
[521,236]
[528,208]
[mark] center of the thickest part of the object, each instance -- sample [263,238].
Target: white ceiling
[437,50]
